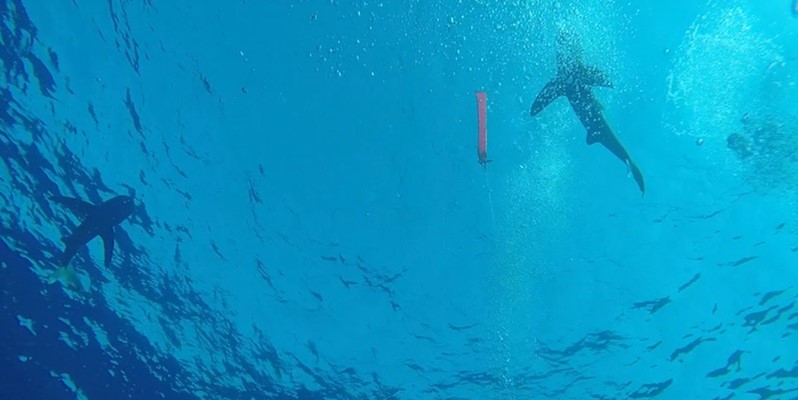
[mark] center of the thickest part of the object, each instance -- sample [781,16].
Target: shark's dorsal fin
[79,207]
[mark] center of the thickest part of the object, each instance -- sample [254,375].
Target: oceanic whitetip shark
[575,81]
[97,220]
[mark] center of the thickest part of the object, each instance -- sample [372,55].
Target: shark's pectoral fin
[79,207]
[108,244]
[554,89]
[71,247]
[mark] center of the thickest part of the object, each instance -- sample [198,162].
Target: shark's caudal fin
[599,132]
[637,175]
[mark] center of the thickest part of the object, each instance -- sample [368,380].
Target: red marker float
[482,129]
[482,143]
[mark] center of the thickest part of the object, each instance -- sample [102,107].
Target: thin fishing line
[490,200]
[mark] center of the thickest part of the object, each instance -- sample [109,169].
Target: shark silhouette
[97,220]
[575,81]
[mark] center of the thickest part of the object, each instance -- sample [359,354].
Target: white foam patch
[716,73]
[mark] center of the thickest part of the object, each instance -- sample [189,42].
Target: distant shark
[97,220]
[575,81]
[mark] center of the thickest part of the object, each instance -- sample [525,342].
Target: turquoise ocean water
[311,221]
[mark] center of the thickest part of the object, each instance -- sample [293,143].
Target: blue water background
[313,224]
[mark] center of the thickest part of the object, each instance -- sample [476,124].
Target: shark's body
[97,220]
[575,81]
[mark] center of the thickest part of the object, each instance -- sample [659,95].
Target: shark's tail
[637,175]
[599,132]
